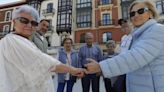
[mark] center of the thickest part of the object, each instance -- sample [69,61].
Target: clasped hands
[90,68]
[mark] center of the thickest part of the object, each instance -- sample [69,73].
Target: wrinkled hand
[92,67]
[79,72]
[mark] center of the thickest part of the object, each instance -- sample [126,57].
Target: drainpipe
[162,6]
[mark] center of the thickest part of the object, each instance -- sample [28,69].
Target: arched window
[82,38]
[49,7]
[6,29]
[107,36]
[7,15]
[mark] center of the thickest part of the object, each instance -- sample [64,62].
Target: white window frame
[4,29]
[6,15]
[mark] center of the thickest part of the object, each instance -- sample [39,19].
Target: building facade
[49,9]
[6,25]
[6,10]
[160,7]
[98,17]
[64,19]
[59,14]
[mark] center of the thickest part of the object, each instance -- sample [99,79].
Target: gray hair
[26,9]
[88,35]
[110,42]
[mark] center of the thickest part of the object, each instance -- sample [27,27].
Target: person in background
[38,36]
[126,27]
[23,67]
[143,63]
[69,57]
[110,45]
[90,50]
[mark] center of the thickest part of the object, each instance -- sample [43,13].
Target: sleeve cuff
[105,69]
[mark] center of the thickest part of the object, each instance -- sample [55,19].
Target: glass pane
[107,36]
[159,7]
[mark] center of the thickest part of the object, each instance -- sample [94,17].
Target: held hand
[79,72]
[92,67]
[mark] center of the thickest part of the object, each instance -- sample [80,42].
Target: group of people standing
[138,67]
[70,57]
[67,55]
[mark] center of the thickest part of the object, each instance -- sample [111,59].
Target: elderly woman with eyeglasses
[23,67]
[144,62]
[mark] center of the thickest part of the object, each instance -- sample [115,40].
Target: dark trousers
[61,86]
[108,86]
[87,80]
[120,84]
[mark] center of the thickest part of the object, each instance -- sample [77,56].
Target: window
[36,4]
[33,4]
[64,16]
[6,29]
[7,15]
[105,2]
[107,36]
[125,12]
[82,38]
[50,25]
[49,7]
[106,19]
[83,19]
[50,22]
[159,7]
[64,19]
[84,3]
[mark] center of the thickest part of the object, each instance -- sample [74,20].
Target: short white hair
[88,34]
[110,42]
[26,9]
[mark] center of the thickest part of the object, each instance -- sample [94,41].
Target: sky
[7,1]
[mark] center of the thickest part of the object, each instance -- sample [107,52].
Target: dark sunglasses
[26,21]
[139,11]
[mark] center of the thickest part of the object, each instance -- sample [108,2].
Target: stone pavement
[77,86]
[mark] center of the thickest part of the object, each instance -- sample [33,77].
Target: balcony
[84,5]
[48,12]
[64,8]
[106,22]
[64,28]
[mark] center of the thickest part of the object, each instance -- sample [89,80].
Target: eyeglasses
[26,21]
[139,11]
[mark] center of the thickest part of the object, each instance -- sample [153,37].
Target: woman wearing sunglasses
[23,67]
[143,64]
